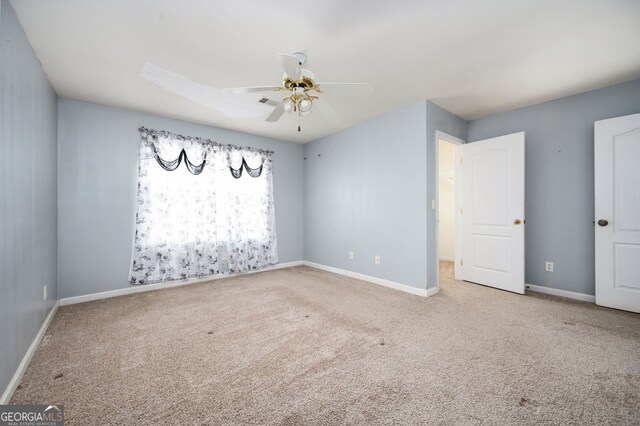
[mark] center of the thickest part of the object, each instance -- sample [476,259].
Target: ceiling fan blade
[237,90]
[326,111]
[291,66]
[277,112]
[231,106]
[343,87]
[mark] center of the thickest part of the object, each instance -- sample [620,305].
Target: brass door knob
[603,222]
[517,222]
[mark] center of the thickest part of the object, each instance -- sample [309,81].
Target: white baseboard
[178,283]
[562,293]
[432,291]
[22,368]
[374,280]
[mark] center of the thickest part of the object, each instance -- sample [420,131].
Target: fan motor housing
[306,83]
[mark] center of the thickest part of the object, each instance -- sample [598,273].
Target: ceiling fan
[304,96]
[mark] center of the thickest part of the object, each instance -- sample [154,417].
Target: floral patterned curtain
[195,215]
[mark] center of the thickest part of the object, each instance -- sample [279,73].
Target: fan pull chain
[298,121]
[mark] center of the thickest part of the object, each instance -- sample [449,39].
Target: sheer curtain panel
[196,214]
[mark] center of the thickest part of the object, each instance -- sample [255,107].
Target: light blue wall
[365,191]
[28,215]
[98,173]
[559,200]
[444,121]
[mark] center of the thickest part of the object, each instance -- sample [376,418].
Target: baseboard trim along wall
[374,280]
[158,286]
[391,284]
[22,367]
[561,293]
[432,291]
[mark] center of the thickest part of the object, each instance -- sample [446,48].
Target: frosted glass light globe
[288,105]
[304,104]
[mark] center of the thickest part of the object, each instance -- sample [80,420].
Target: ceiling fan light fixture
[304,105]
[288,105]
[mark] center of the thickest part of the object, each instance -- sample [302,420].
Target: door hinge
[460,212]
[461,262]
[461,160]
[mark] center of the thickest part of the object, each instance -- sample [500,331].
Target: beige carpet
[302,346]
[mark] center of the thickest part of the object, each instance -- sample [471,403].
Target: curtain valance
[171,149]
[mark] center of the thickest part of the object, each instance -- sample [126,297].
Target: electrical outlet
[377,260]
[44,292]
[350,255]
[548,266]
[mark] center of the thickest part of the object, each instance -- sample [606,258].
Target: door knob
[517,222]
[603,222]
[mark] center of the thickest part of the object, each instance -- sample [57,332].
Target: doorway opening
[447,211]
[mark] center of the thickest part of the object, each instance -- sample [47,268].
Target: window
[198,213]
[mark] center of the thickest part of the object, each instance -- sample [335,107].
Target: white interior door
[492,191]
[617,209]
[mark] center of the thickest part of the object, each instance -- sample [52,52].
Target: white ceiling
[473,58]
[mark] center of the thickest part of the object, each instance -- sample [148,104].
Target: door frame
[457,246]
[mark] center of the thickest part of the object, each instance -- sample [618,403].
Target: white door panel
[617,201]
[492,191]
